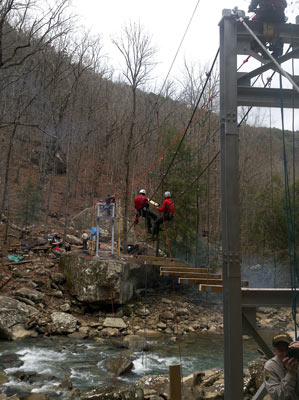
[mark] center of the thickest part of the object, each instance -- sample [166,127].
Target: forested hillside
[72,131]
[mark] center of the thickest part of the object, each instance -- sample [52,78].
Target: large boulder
[15,314]
[92,280]
[114,323]
[30,294]
[120,366]
[63,323]
[256,369]
[73,240]
[136,343]
[3,378]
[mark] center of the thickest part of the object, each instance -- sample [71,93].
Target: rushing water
[84,361]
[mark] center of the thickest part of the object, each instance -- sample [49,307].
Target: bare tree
[27,27]
[138,55]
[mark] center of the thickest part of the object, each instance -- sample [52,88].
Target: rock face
[14,315]
[94,281]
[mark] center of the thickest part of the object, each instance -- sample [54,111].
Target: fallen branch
[5,283]
[13,226]
[18,263]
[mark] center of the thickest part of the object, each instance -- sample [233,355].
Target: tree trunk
[7,168]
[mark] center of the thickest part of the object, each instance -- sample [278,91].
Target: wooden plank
[145,257]
[168,263]
[190,275]
[154,260]
[198,281]
[210,288]
[185,269]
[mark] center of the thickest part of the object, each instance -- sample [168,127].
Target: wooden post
[119,215]
[175,382]
[157,245]
[91,246]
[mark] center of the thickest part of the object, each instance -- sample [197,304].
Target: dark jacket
[268,4]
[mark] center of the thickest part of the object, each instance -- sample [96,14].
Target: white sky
[166,22]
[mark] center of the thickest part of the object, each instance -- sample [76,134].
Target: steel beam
[231,271]
[260,97]
[259,340]
[261,393]
[235,39]
[267,297]
[268,65]
[288,33]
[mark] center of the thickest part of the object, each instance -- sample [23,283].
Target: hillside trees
[198,89]
[30,209]
[263,204]
[267,228]
[138,54]
[25,31]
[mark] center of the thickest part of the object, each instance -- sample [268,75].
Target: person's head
[167,194]
[280,345]
[142,191]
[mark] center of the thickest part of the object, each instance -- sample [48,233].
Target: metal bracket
[238,13]
[231,117]
[231,258]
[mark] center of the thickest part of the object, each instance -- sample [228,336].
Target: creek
[83,361]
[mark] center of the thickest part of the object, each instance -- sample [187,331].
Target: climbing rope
[191,120]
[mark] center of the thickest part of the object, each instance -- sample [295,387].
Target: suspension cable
[291,233]
[190,122]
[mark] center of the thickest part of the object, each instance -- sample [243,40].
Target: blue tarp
[16,259]
[93,232]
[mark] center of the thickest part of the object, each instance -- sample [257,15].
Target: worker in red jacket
[168,212]
[143,210]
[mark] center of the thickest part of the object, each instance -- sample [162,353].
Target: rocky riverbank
[36,301]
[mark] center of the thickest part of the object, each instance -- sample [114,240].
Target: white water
[83,362]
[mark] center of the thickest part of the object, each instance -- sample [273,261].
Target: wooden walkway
[187,274]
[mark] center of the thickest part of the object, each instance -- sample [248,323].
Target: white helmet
[167,194]
[141,191]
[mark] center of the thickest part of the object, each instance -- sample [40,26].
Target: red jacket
[167,206]
[140,202]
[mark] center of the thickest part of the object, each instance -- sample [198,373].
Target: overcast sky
[166,22]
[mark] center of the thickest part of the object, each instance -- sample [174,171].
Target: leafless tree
[27,28]
[138,56]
